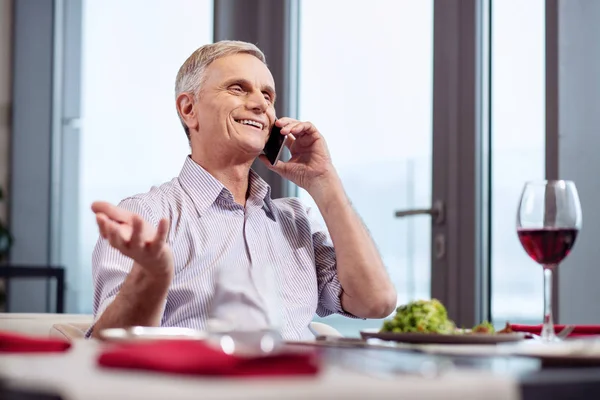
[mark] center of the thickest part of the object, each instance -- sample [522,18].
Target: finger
[280,167]
[161,235]
[111,211]
[136,240]
[101,220]
[288,128]
[114,237]
[289,141]
[303,128]
[281,122]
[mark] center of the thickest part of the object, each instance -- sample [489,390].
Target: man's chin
[253,147]
[249,152]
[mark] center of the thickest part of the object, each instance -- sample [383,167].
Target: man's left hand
[310,162]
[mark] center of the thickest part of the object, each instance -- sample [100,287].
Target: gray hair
[191,74]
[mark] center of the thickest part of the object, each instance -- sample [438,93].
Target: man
[159,252]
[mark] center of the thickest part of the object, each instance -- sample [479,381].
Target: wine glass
[245,311]
[548,221]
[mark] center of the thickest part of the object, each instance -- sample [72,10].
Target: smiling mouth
[250,123]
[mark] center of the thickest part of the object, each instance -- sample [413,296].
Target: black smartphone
[275,144]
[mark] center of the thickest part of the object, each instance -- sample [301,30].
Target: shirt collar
[260,193]
[204,189]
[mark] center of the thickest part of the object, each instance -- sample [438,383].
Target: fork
[566,331]
[563,334]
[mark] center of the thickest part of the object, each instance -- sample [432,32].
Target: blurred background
[419,100]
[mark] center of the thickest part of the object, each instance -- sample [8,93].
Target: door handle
[436,211]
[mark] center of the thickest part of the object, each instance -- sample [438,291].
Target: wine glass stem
[548,328]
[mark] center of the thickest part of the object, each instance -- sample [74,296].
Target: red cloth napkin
[580,330]
[11,342]
[199,358]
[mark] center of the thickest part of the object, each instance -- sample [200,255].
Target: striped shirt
[268,260]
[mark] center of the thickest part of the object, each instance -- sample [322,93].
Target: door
[372,101]
[382,87]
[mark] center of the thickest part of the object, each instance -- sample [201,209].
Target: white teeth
[250,122]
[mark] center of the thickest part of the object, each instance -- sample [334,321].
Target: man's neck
[235,177]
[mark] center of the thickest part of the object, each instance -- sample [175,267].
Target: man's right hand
[136,238]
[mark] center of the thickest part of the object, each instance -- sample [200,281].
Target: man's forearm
[139,302]
[368,291]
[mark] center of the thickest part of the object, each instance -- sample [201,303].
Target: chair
[36,271]
[39,324]
[74,326]
[321,329]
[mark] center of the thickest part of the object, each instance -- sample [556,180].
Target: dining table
[348,370]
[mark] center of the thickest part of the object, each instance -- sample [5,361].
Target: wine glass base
[551,339]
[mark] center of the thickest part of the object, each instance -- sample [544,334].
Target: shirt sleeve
[110,267]
[329,286]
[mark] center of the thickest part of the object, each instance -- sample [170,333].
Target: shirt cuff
[333,305]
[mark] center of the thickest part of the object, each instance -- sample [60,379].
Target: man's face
[235,106]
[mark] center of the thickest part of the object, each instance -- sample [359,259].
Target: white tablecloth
[76,376]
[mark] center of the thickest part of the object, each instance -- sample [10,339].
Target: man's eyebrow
[237,81]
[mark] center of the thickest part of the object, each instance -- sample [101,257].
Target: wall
[578,145]
[5,95]
[31,149]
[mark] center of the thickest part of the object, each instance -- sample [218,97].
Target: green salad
[427,316]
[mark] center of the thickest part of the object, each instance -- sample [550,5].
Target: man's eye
[236,88]
[267,97]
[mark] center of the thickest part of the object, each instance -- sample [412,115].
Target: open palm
[134,237]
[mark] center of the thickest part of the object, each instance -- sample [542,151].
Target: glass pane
[368,88]
[131,53]
[518,149]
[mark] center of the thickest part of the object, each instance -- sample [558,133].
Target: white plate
[139,333]
[437,338]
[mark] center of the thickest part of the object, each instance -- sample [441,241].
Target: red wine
[547,246]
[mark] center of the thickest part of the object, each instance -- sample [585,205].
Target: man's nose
[257,102]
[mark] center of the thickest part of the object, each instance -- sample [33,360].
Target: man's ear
[185,107]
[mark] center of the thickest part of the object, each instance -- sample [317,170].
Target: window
[131,52]
[367,86]
[518,152]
